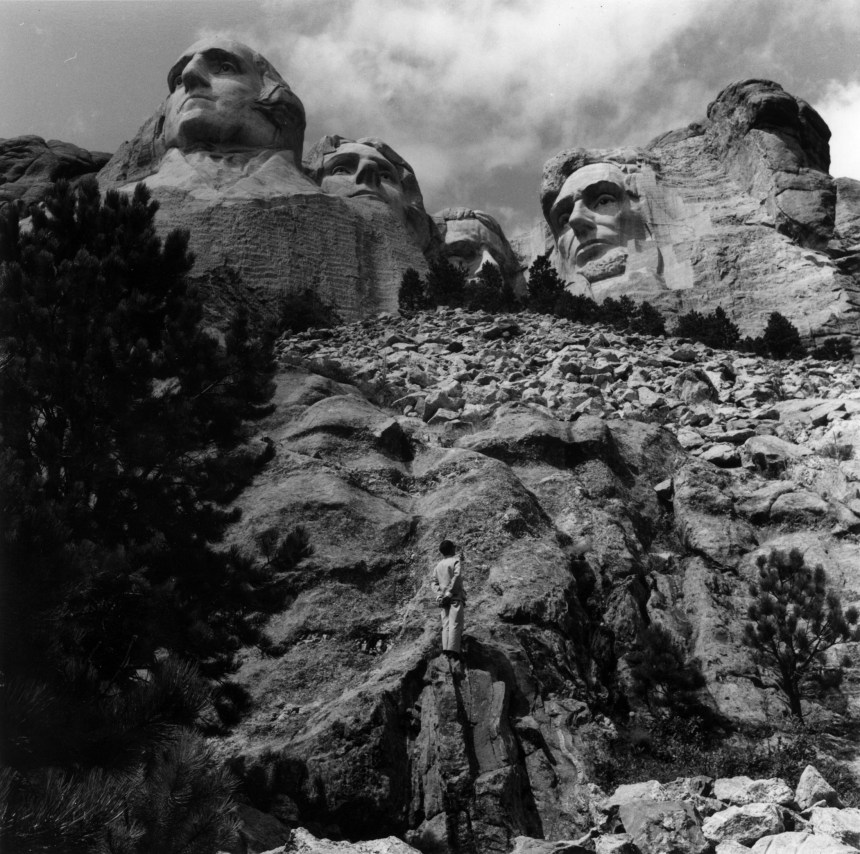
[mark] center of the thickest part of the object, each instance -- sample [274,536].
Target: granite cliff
[597,483]
[736,210]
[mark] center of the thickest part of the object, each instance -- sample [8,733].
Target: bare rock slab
[744,790]
[801,843]
[841,824]
[664,827]
[745,824]
[812,788]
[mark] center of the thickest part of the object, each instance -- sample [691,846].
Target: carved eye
[560,217]
[227,68]
[341,170]
[605,200]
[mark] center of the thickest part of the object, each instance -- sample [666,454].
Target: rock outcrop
[739,211]
[29,166]
[573,466]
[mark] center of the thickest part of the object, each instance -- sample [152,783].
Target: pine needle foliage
[794,619]
[662,676]
[123,422]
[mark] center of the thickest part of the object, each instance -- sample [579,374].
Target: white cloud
[459,88]
[840,108]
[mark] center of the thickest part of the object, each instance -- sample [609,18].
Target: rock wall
[29,166]
[575,532]
[743,214]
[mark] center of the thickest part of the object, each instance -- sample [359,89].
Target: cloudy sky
[475,94]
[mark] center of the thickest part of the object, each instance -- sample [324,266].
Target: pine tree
[793,620]
[485,292]
[122,422]
[649,321]
[445,283]
[662,676]
[782,339]
[411,295]
[545,286]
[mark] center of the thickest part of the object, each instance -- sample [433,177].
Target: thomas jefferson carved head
[591,202]
[368,168]
[473,238]
[224,96]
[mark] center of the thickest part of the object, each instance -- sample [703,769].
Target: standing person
[447,584]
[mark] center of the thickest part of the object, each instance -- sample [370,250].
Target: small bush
[835,350]
[713,330]
[673,748]
[302,310]
[411,296]
[545,286]
[781,338]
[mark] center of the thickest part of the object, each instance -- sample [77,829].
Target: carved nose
[580,219]
[368,173]
[195,73]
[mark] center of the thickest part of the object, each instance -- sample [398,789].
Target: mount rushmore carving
[735,210]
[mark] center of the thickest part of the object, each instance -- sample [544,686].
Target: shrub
[713,330]
[662,675]
[545,286]
[445,284]
[302,310]
[835,350]
[793,620]
[411,296]
[781,338]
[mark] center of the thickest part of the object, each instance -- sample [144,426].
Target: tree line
[448,285]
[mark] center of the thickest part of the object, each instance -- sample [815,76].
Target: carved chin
[607,266]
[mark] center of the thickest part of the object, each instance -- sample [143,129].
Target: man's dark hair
[447,548]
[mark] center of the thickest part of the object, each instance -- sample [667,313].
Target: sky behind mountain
[475,94]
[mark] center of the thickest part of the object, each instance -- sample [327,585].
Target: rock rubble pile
[691,815]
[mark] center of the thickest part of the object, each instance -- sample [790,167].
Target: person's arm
[455,574]
[434,583]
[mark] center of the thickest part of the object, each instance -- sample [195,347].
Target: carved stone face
[213,88]
[469,244]
[355,170]
[592,214]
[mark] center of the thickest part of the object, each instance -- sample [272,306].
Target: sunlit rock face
[472,238]
[735,210]
[370,172]
[222,155]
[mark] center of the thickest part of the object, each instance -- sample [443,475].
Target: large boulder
[746,824]
[812,789]
[842,824]
[800,842]
[744,790]
[664,827]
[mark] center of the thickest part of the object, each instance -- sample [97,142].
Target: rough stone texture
[731,847]
[664,827]
[527,845]
[352,252]
[801,843]
[29,166]
[842,824]
[615,843]
[746,824]
[743,790]
[303,842]
[812,788]
[259,226]
[741,214]
[568,552]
